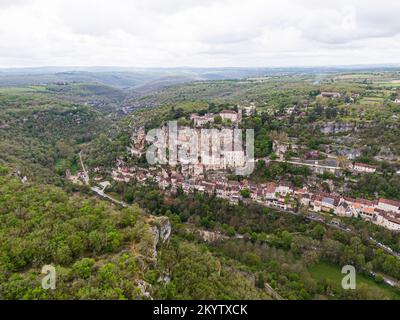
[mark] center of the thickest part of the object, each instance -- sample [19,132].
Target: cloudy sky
[198,33]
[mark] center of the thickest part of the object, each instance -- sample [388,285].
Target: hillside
[40,134]
[171,244]
[101,251]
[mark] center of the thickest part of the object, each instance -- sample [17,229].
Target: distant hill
[137,78]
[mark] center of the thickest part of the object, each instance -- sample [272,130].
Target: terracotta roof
[271,187]
[390,202]
[369,210]
[284,184]
[348,199]
[392,217]
[366,202]
[229,112]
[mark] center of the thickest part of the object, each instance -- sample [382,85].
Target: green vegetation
[274,245]
[100,252]
[331,275]
[41,135]
[216,250]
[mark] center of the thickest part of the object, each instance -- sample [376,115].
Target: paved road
[310,165]
[97,190]
[84,169]
[103,195]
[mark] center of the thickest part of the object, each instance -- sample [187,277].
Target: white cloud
[153,33]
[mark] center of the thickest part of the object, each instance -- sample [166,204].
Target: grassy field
[324,270]
[23,89]
[372,101]
[393,84]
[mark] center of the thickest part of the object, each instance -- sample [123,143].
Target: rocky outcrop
[333,127]
[138,142]
[211,237]
[145,289]
[342,127]
[161,229]
[151,234]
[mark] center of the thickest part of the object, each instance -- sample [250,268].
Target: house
[305,200]
[392,223]
[279,203]
[302,191]
[303,196]
[363,207]
[122,174]
[329,203]
[234,188]
[364,168]
[229,115]
[364,203]
[200,121]
[253,188]
[344,210]
[120,178]
[367,213]
[270,191]
[388,220]
[316,203]
[330,94]
[389,205]
[259,194]
[284,188]
[348,200]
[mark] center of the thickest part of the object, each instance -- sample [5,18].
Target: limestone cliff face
[151,234]
[162,231]
[138,140]
[333,127]
[343,127]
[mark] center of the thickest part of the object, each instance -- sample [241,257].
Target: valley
[77,191]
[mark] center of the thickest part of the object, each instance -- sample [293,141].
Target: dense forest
[101,252]
[40,134]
